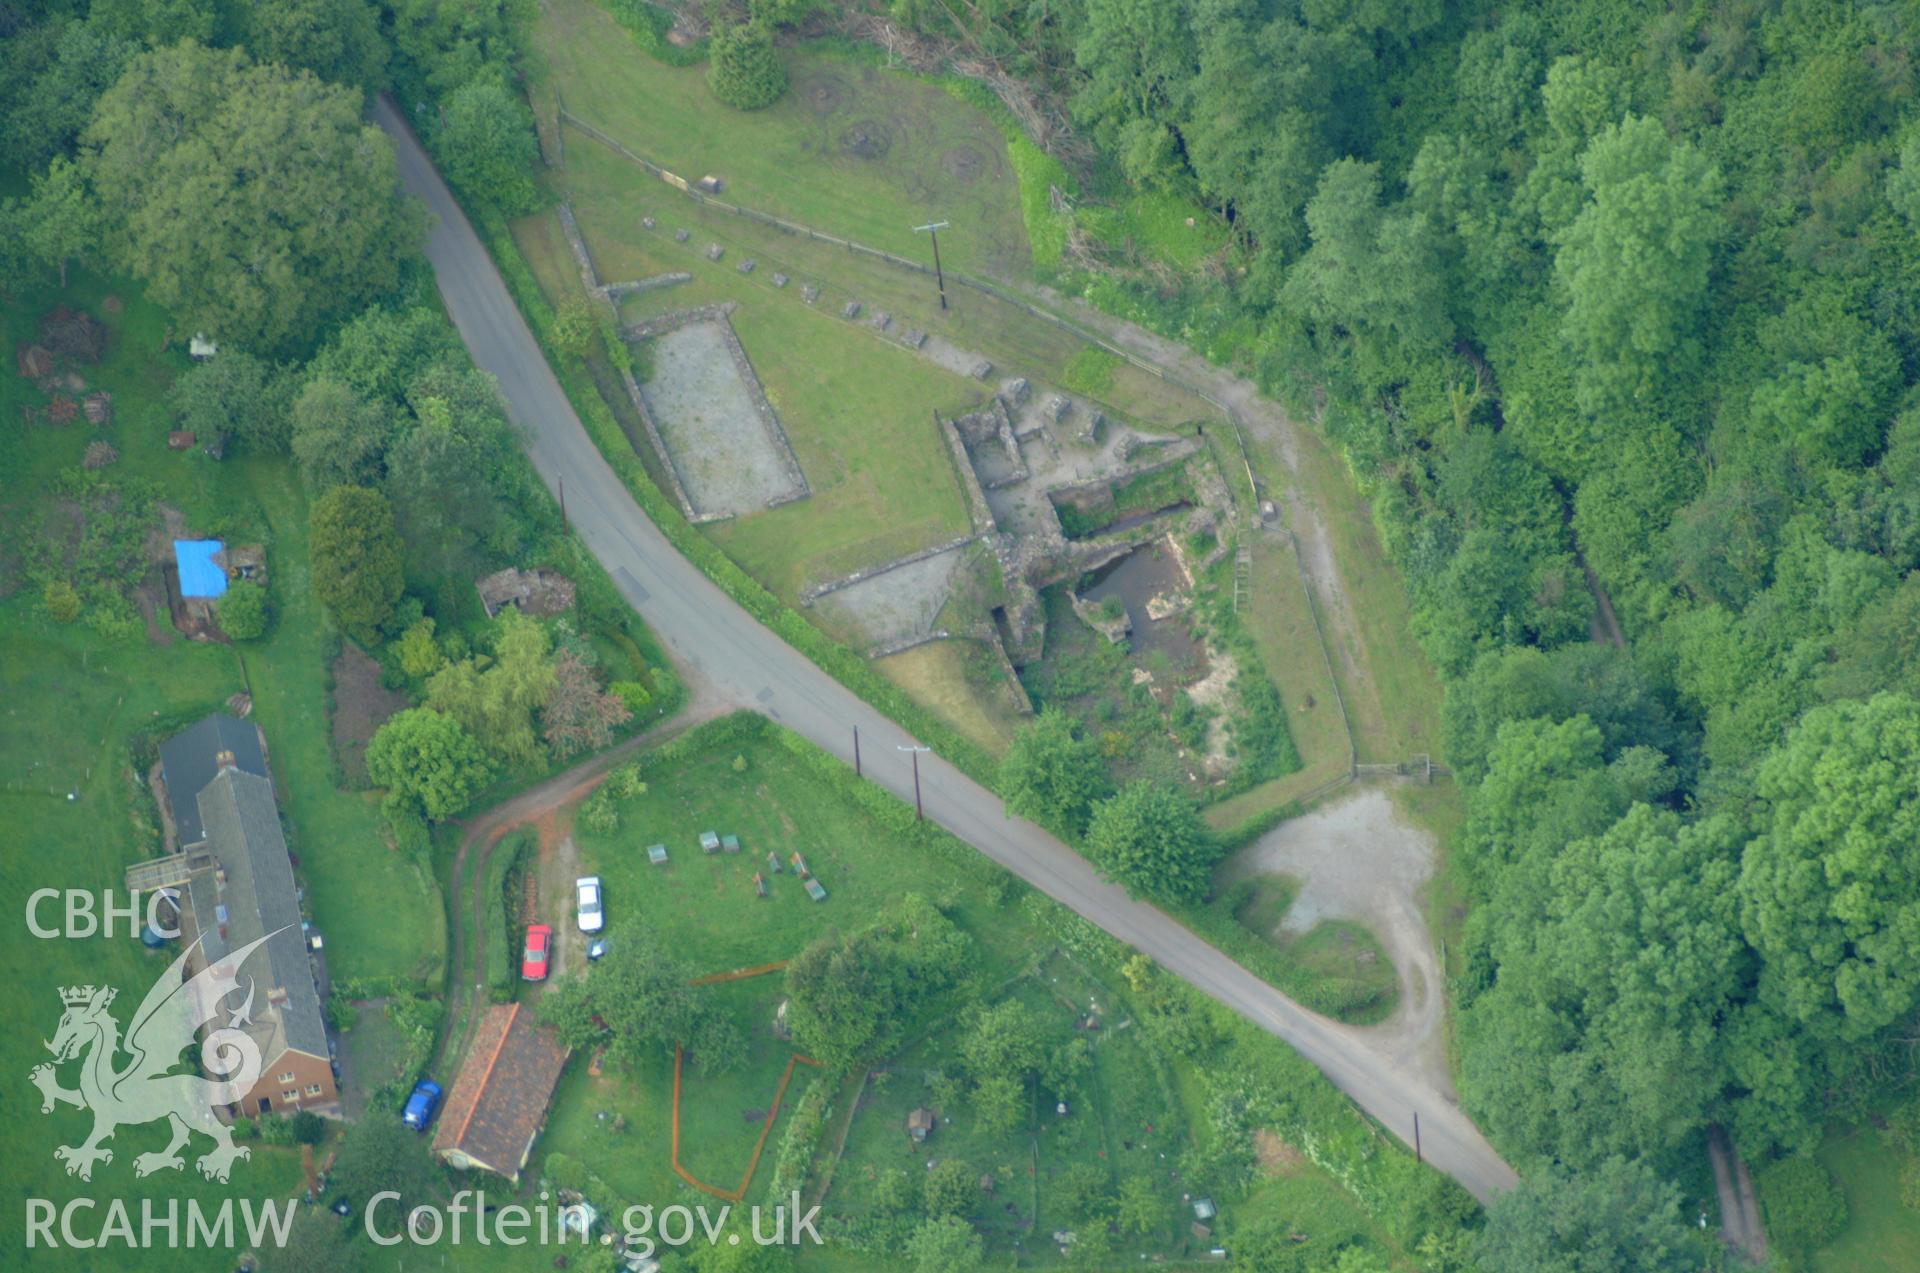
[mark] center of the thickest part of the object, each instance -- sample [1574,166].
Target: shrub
[744,71]
[635,695]
[243,611]
[599,814]
[626,782]
[418,652]
[1804,1210]
[61,601]
[308,1128]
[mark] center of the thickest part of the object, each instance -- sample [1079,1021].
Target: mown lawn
[859,413]
[703,905]
[1882,1233]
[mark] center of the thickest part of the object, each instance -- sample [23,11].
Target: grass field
[74,699]
[1882,1234]
[882,153]
[952,678]
[704,904]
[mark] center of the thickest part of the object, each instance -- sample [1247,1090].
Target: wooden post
[919,812]
[856,751]
[1416,1137]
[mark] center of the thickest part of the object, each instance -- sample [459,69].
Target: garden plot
[720,435]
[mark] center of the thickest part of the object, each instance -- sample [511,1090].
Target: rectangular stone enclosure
[713,420]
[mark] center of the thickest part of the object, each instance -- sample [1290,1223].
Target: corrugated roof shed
[200,575]
[500,1098]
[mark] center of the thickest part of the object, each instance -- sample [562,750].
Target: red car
[533,963]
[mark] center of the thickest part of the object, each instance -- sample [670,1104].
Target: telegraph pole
[919,811]
[932,231]
[856,752]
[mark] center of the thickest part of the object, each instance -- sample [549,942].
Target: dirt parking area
[559,867]
[1358,858]
[707,410]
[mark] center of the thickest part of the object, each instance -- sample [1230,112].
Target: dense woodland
[1627,287]
[1613,308]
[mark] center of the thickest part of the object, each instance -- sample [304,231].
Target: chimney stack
[223,761]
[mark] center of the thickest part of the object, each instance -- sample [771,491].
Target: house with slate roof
[499,1101]
[236,878]
[187,765]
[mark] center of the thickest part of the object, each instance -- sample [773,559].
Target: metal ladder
[1242,577]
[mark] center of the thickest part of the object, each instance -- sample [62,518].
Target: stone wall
[979,512]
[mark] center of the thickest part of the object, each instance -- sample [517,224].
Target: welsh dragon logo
[144,1090]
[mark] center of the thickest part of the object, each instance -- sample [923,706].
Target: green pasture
[850,146]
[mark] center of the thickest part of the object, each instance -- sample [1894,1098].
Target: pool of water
[1136,578]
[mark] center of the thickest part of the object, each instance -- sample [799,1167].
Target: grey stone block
[715,251]
[850,310]
[680,236]
[779,280]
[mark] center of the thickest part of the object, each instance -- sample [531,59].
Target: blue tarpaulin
[200,575]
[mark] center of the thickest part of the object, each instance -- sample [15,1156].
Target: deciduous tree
[252,200]
[1150,839]
[1827,893]
[428,762]
[1636,262]
[578,715]
[1053,775]
[486,144]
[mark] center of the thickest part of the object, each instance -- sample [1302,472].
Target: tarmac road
[722,645]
